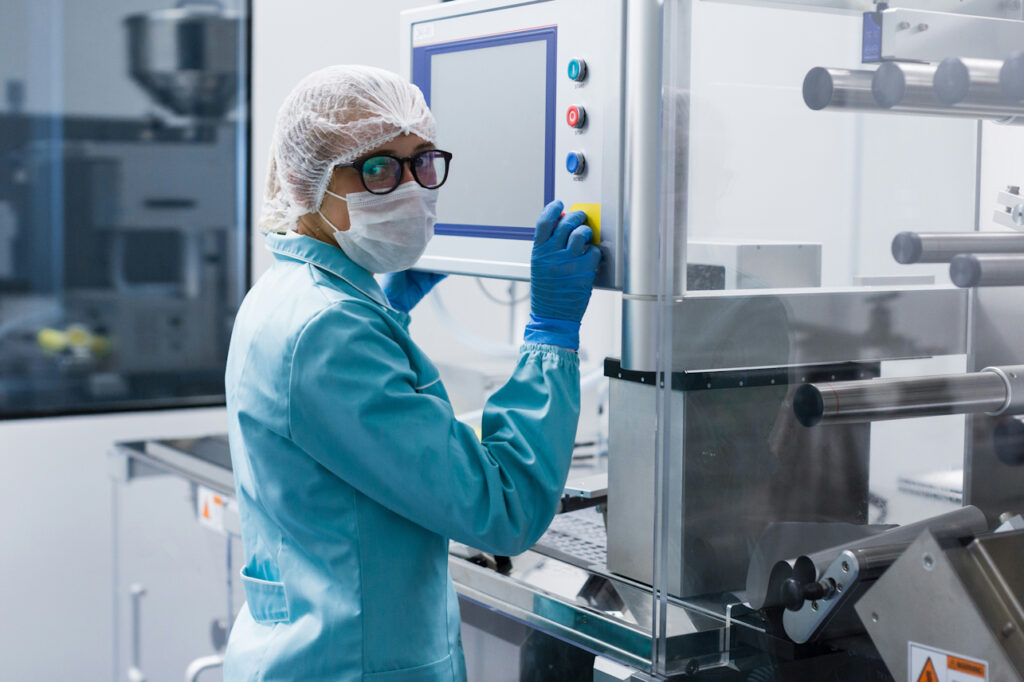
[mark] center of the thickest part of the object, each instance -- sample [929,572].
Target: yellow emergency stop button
[593,212]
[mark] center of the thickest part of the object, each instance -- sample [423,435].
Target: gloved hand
[562,271]
[406,288]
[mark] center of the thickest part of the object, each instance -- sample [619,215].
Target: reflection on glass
[834,209]
[122,238]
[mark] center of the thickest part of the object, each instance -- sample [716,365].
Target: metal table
[560,587]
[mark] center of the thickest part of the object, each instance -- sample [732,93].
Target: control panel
[529,100]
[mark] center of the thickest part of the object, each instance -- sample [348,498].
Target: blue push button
[575,163]
[577,69]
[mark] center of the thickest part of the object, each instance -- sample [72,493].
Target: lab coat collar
[329,258]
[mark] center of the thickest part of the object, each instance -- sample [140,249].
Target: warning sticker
[928,664]
[210,509]
[928,673]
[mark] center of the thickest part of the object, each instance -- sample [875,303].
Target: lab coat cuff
[565,354]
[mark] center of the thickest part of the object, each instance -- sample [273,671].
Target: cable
[495,299]
[502,350]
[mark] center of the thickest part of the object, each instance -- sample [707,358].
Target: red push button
[576,117]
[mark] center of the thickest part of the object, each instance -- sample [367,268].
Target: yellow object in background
[593,212]
[52,340]
[75,336]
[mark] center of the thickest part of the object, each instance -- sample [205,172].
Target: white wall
[55,540]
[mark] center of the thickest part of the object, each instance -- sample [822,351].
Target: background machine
[123,251]
[812,210]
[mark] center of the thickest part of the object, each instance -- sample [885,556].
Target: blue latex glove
[562,271]
[406,288]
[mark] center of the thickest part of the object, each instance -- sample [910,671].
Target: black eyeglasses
[382,173]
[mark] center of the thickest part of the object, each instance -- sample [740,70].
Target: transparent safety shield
[123,202]
[822,322]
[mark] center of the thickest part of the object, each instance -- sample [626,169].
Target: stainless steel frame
[979,615]
[920,35]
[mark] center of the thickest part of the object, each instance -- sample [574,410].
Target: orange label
[928,673]
[969,667]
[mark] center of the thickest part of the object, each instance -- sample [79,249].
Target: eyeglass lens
[383,173]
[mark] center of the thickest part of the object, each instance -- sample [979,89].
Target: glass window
[123,207]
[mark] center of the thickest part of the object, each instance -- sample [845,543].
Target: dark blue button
[574,163]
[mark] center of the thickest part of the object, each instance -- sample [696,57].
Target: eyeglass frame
[403,161]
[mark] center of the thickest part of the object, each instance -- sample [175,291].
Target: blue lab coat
[352,474]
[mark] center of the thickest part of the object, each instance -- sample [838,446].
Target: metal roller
[970,270]
[1011,77]
[905,87]
[942,247]
[838,89]
[910,88]
[974,84]
[993,390]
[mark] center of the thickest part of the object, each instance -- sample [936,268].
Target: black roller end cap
[965,270]
[906,248]
[792,596]
[1011,77]
[808,405]
[1008,441]
[888,85]
[818,88]
[951,81]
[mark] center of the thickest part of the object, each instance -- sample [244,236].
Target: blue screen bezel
[421,57]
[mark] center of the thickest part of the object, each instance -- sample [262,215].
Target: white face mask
[388,232]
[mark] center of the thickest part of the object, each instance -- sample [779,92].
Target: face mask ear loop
[323,217]
[329,223]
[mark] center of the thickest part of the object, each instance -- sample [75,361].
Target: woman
[351,470]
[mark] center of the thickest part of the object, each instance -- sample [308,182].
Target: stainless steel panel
[951,598]
[913,34]
[743,457]
[760,265]
[800,328]
[631,448]
[983,8]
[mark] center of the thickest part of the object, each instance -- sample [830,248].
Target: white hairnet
[334,116]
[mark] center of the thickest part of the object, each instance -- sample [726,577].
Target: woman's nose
[407,175]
